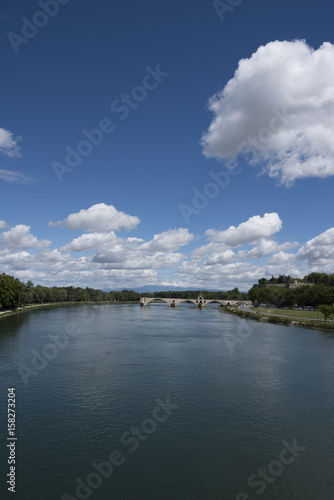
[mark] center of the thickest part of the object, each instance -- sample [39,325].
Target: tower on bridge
[200,301]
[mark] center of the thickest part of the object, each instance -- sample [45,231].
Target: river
[153,403]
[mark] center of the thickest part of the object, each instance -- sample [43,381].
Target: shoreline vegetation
[279,319]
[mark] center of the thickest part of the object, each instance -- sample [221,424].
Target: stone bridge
[200,302]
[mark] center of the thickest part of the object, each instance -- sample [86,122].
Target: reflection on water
[96,391]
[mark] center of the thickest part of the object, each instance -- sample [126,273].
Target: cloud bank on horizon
[278,112]
[237,256]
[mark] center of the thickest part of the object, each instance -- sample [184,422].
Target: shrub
[279,320]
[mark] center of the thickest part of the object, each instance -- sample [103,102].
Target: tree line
[14,293]
[41,294]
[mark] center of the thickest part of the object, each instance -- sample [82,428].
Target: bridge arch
[185,301]
[217,301]
[156,300]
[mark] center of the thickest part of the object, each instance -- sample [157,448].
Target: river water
[129,403]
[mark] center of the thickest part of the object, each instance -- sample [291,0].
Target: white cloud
[15,260]
[210,248]
[264,248]
[319,250]
[90,241]
[120,257]
[19,237]
[101,218]
[113,252]
[255,228]
[220,258]
[95,278]
[170,240]
[280,106]
[3,224]
[219,276]
[216,266]
[11,176]
[281,258]
[9,143]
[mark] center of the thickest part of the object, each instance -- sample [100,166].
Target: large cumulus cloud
[278,111]
[100,217]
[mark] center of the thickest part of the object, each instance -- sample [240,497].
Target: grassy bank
[291,312]
[281,320]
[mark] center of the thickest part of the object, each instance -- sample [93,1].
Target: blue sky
[244,92]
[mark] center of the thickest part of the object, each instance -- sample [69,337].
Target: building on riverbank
[294,284]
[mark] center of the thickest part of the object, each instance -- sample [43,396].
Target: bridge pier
[200,302]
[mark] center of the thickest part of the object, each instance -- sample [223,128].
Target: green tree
[277,296]
[326,310]
[12,292]
[233,294]
[29,288]
[39,296]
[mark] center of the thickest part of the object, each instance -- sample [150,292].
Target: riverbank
[9,312]
[314,324]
